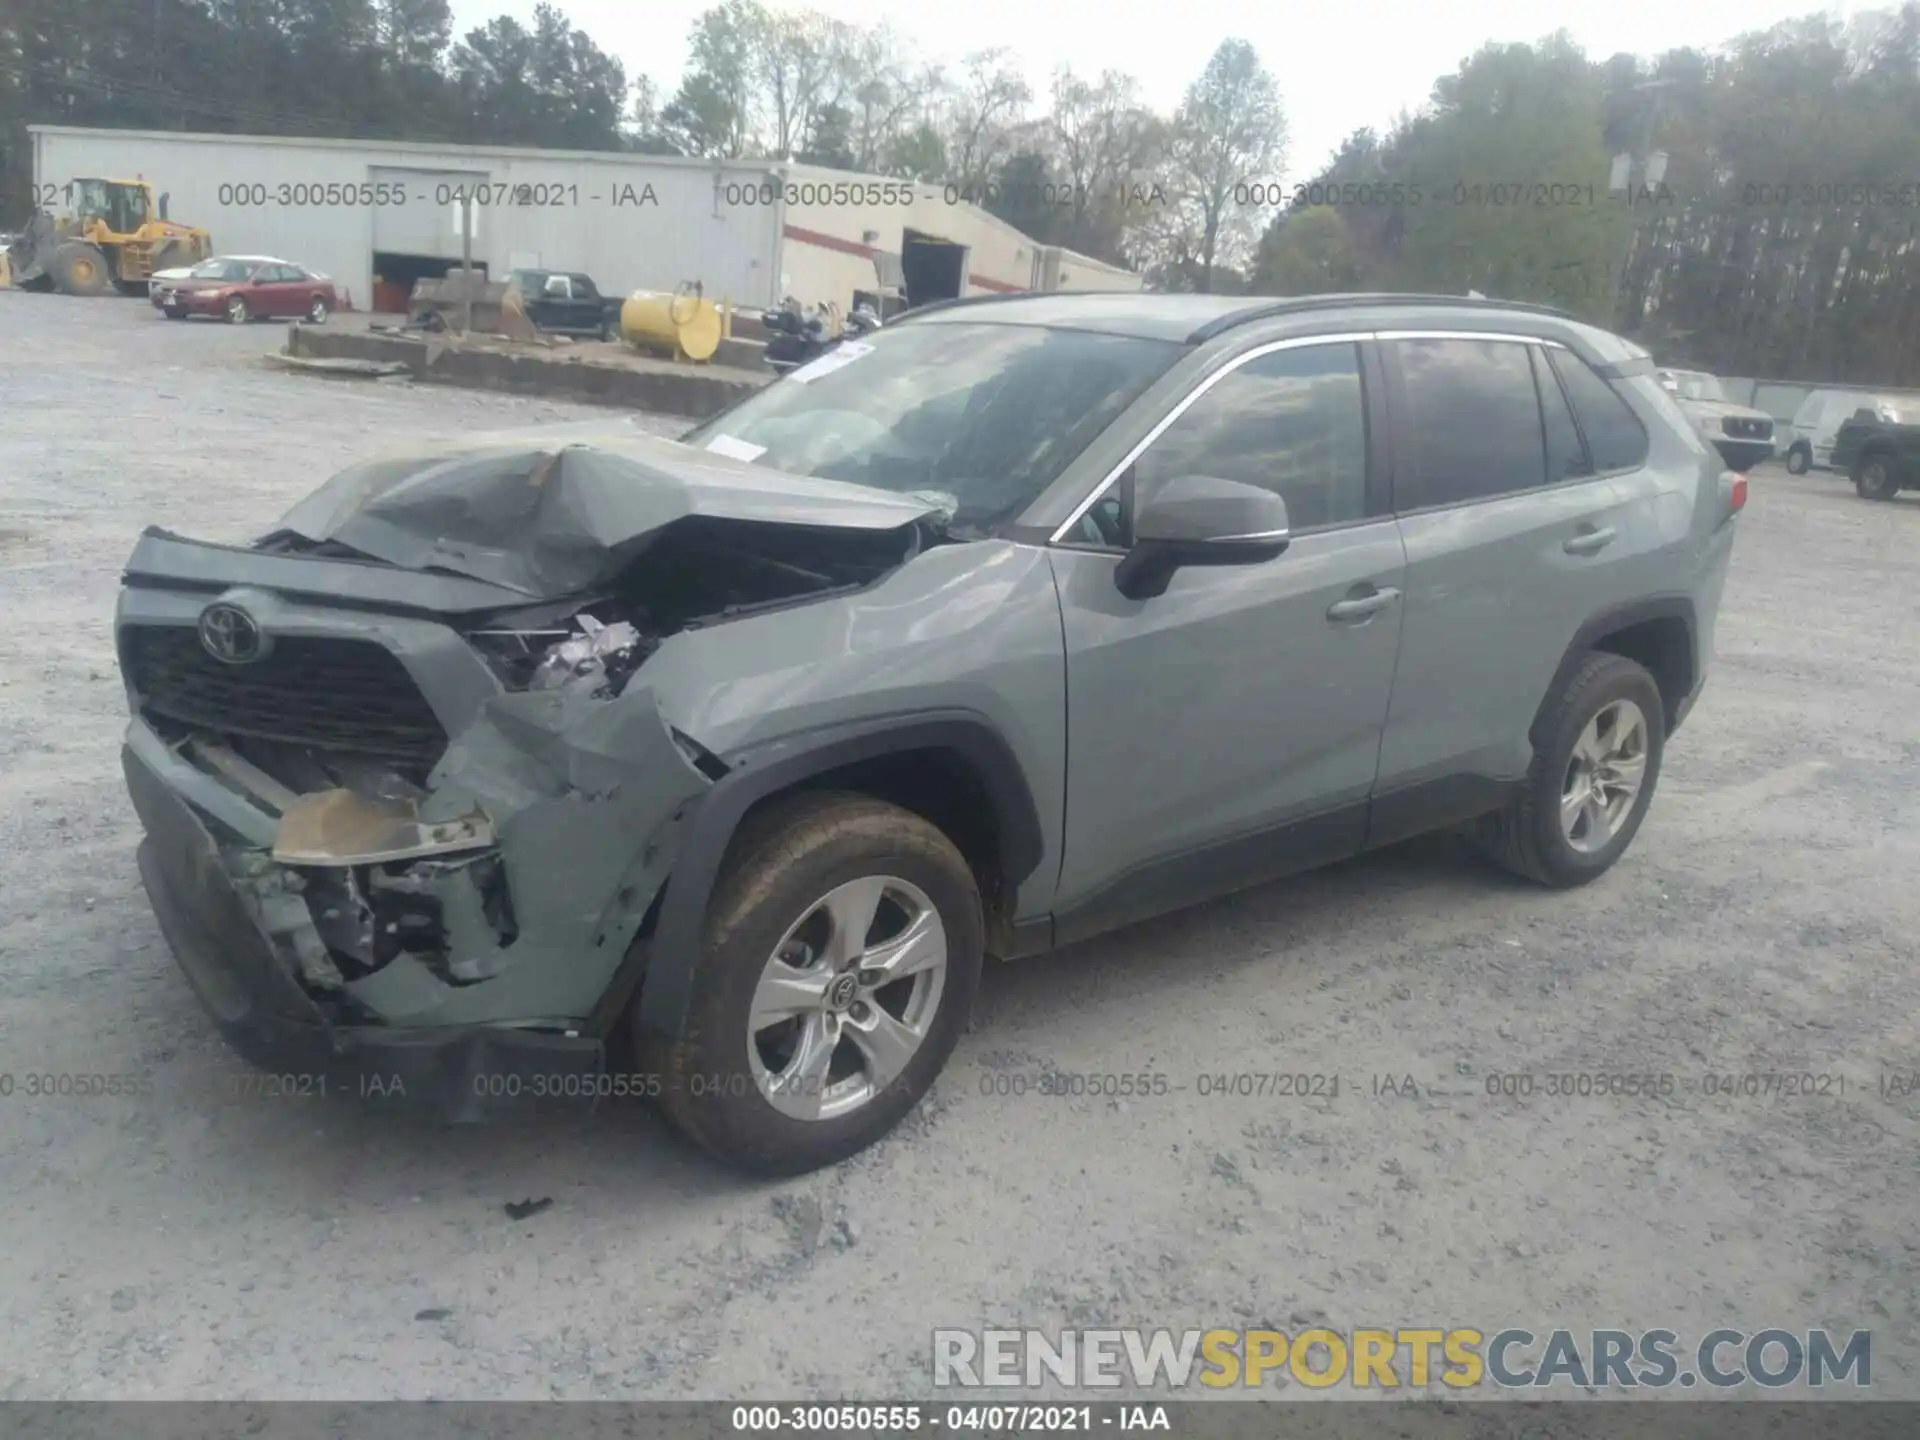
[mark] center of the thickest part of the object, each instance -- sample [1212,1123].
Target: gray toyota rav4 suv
[581,763]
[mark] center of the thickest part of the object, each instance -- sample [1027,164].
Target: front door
[1228,730]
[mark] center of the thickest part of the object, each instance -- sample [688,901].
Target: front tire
[317,312]
[1597,751]
[78,268]
[1874,477]
[842,955]
[237,312]
[1799,460]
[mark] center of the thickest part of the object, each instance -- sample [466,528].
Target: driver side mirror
[1200,520]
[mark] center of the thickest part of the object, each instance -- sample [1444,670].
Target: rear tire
[78,268]
[1799,460]
[1560,829]
[770,920]
[1874,477]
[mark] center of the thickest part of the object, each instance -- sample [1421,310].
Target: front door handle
[1358,607]
[1589,542]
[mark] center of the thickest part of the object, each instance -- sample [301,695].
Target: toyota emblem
[231,635]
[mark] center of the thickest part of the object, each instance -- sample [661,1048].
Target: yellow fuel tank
[683,325]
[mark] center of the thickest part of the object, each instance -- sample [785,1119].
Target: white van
[1821,414]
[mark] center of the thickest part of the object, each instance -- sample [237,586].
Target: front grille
[330,694]
[1742,428]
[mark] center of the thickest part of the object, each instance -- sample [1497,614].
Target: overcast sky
[1341,64]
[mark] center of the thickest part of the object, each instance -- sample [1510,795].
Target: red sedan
[239,288]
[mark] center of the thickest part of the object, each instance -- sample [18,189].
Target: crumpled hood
[555,511]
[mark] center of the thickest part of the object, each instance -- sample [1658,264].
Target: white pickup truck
[1742,435]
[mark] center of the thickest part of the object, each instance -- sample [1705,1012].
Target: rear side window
[1615,437]
[1474,417]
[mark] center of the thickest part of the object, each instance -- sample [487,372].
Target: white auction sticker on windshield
[735,449]
[838,358]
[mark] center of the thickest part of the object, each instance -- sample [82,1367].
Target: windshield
[1693,385]
[983,416]
[222,270]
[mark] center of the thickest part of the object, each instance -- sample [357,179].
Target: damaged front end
[408,800]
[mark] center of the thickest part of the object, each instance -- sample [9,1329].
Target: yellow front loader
[116,236]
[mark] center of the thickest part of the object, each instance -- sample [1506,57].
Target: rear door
[276,287]
[1510,529]
[559,306]
[588,308]
[1835,410]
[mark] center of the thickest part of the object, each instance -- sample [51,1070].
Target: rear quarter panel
[1673,542]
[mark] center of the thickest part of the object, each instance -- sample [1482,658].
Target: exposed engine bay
[700,573]
[384,846]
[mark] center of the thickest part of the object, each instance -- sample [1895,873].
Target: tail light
[1733,493]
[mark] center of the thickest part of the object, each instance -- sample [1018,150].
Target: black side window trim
[1646,439]
[1546,372]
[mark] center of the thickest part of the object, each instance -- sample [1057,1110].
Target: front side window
[1474,419]
[231,271]
[980,417]
[1293,422]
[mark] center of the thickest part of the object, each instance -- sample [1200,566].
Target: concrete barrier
[632,382]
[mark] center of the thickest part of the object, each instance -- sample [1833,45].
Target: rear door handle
[1589,542]
[1360,606]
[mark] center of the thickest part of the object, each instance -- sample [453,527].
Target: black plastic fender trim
[672,953]
[1637,612]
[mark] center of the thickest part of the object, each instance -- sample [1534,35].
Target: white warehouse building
[378,215]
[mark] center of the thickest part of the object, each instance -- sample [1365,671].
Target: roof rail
[934,305]
[1296,304]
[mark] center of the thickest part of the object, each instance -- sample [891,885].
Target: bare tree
[891,90]
[1101,138]
[1230,130]
[802,61]
[991,97]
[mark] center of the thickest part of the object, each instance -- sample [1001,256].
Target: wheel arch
[954,767]
[1659,634]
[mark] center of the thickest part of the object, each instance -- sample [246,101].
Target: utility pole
[1652,165]
[466,266]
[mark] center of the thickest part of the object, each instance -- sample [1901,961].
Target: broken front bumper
[461,1071]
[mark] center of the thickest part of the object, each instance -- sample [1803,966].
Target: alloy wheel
[847,998]
[1604,776]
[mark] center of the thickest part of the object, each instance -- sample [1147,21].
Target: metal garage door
[429,223]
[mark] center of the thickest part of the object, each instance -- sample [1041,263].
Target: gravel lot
[185,1243]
